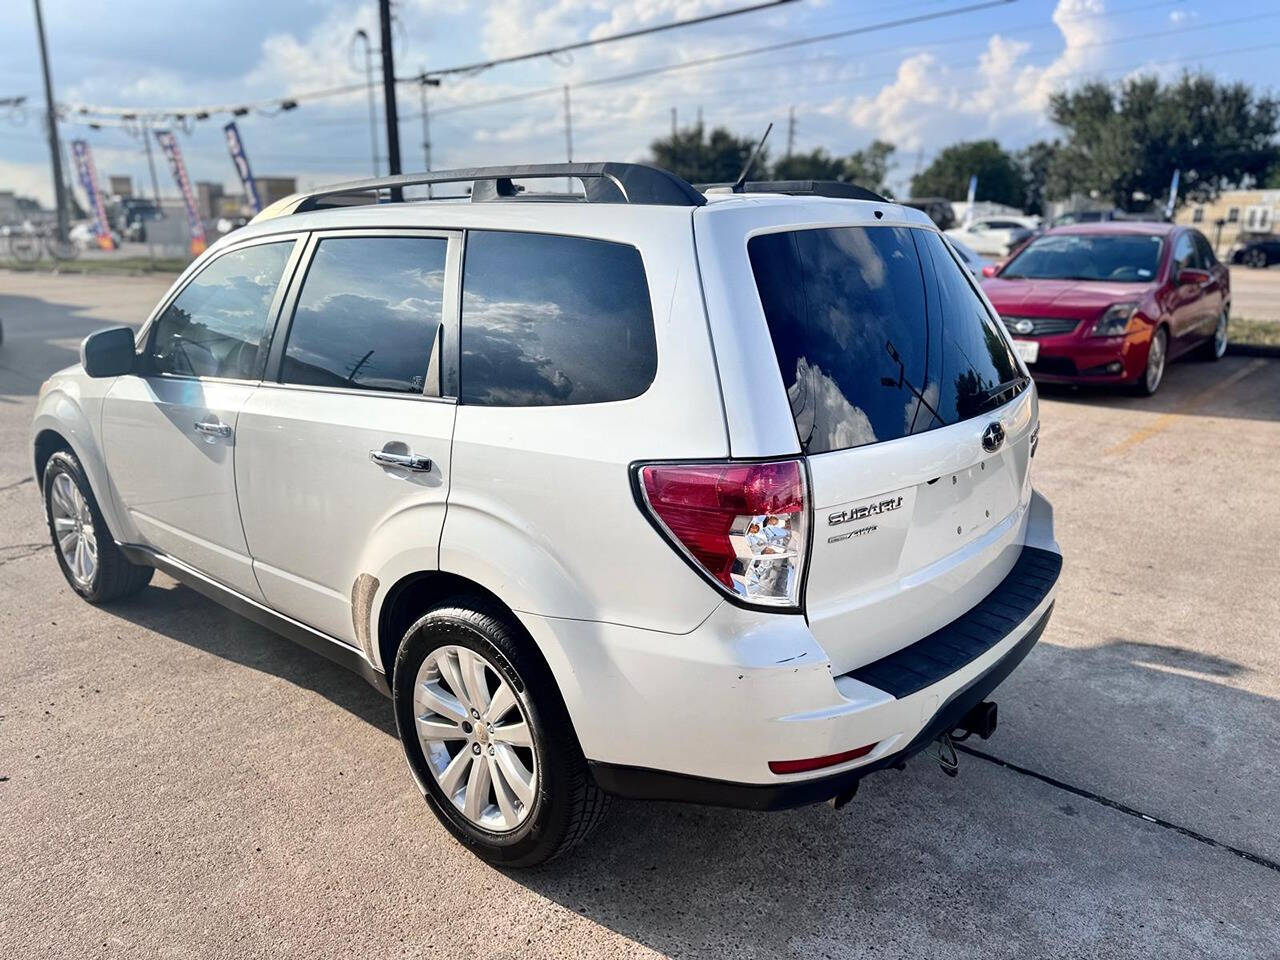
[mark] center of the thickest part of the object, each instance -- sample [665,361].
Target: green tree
[1039,163]
[867,168]
[999,176]
[1126,140]
[700,158]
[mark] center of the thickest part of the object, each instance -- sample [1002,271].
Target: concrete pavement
[179,782]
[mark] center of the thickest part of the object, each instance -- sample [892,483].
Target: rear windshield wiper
[1000,389]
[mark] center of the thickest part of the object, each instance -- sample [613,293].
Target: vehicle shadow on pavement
[992,863]
[1234,387]
[181,614]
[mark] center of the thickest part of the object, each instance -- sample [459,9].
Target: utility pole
[389,95]
[568,137]
[791,131]
[51,120]
[675,143]
[423,82]
[373,109]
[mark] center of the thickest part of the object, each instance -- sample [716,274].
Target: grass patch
[124,265]
[1259,333]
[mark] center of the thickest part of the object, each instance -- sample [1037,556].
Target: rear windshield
[1119,258]
[878,334]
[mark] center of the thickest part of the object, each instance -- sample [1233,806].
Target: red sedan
[1112,302]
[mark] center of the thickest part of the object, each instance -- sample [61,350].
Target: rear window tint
[974,357]
[549,320]
[877,331]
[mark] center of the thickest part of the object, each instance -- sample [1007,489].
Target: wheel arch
[415,593]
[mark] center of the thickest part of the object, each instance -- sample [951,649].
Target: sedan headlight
[1115,322]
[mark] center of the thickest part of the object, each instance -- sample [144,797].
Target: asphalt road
[176,782]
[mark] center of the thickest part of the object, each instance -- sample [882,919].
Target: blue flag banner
[241,159]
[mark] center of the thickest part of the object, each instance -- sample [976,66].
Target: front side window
[369,314]
[878,334]
[1185,254]
[216,326]
[550,320]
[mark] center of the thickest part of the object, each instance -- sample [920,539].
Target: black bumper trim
[641,783]
[965,639]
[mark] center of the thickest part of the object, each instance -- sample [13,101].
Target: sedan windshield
[1123,258]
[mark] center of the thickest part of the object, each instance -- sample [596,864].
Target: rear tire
[1257,259]
[87,553]
[452,755]
[1215,347]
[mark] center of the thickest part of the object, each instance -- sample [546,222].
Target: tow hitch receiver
[981,719]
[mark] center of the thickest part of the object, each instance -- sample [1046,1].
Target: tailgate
[911,533]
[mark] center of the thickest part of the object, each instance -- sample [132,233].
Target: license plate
[1028,350]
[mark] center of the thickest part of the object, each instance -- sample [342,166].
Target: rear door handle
[212,428]
[405,461]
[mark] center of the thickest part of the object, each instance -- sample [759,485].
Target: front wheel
[1157,357]
[488,737]
[87,553]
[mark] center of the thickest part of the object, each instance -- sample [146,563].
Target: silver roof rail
[636,183]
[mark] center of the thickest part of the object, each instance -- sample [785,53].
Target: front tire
[1157,359]
[94,566]
[488,737]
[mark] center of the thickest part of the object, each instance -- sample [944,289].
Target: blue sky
[976,74]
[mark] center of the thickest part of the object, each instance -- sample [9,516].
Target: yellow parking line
[1166,420]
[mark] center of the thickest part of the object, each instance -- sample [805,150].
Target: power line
[202,112]
[625,35]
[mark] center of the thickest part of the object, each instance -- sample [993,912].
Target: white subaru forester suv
[712,495]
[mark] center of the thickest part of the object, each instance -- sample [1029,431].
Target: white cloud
[1003,95]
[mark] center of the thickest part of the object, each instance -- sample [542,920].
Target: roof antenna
[742,177]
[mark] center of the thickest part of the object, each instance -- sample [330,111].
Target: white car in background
[970,257]
[702,542]
[995,236]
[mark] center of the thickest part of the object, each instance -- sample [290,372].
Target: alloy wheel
[1255,258]
[1220,335]
[476,738]
[1155,362]
[73,528]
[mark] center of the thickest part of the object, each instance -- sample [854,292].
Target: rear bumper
[642,784]
[700,716]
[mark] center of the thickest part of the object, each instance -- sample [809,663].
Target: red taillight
[817,763]
[745,524]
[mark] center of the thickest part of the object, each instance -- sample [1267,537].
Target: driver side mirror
[108,353]
[1190,277]
[989,269]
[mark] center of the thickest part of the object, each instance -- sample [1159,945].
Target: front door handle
[212,428]
[405,461]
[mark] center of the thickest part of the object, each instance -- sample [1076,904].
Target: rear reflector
[745,525]
[816,763]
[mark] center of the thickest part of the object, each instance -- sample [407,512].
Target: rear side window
[368,315]
[215,326]
[878,333]
[550,320]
